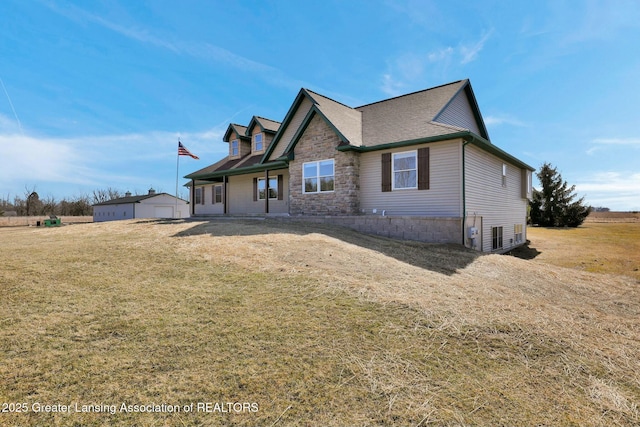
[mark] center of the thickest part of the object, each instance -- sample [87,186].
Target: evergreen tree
[555,204]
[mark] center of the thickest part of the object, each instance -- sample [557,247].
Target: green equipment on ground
[53,221]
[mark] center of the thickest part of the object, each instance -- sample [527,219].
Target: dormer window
[235,147]
[257,142]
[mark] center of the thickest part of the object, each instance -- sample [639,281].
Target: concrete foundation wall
[422,229]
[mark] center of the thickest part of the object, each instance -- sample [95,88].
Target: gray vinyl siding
[113,212]
[442,199]
[209,208]
[459,113]
[240,195]
[488,201]
[291,129]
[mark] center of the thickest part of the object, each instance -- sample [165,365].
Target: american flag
[184,152]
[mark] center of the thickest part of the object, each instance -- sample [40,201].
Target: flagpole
[177,174]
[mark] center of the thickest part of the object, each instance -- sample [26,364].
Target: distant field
[598,247]
[22,221]
[613,217]
[293,325]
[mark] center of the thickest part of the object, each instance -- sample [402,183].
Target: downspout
[464,194]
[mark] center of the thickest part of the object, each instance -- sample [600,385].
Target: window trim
[199,196]
[235,147]
[393,170]
[255,142]
[214,195]
[518,233]
[273,188]
[318,177]
[497,238]
[504,174]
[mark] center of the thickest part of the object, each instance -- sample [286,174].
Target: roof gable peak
[464,81]
[266,125]
[310,93]
[240,131]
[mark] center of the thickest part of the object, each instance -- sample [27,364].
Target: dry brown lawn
[598,247]
[314,325]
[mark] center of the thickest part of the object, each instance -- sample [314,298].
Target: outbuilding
[151,205]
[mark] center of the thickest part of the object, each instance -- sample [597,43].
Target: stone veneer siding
[319,142]
[422,229]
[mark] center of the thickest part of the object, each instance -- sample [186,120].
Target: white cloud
[9,125]
[470,52]
[613,189]
[598,20]
[409,68]
[90,162]
[390,86]
[440,54]
[199,50]
[599,144]
[503,119]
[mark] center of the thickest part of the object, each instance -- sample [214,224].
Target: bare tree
[104,195]
[49,206]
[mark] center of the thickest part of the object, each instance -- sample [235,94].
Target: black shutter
[280,187]
[423,168]
[255,189]
[386,172]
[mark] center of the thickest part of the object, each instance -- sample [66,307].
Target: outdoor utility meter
[473,232]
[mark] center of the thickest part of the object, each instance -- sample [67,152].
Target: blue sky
[95,94]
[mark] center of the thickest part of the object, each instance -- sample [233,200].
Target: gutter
[364,148]
[464,194]
[468,136]
[277,164]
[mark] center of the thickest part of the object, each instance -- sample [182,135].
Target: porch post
[224,195]
[193,197]
[266,191]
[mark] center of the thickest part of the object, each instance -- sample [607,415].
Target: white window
[257,140]
[496,234]
[273,188]
[217,194]
[517,233]
[234,147]
[318,176]
[405,170]
[504,175]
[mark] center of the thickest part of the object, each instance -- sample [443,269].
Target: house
[419,166]
[151,205]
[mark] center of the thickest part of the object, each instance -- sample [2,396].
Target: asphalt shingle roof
[346,120]
[408,117]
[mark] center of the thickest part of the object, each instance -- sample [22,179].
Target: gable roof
[416,115]
[132,199]
[345,121]
[240,130]
[266,125]
[443,112]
